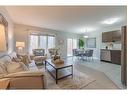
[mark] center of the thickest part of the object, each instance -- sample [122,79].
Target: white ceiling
[67,18]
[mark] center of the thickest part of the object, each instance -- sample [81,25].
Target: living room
[65,29]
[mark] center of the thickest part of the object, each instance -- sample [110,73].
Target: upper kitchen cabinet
[111,36]
[107,37]
[116,36]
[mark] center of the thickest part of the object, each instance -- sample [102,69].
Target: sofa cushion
[1,76]
[14,67]
[3,69]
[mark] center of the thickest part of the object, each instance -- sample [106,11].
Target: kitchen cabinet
[113,56]
[116,36]
[111,36]
[107,37]
[106,55]
[116,56]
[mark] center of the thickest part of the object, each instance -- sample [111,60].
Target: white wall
[21,33]
[99,44]
[10,31]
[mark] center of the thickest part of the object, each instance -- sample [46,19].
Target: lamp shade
[3,46]
[20,44]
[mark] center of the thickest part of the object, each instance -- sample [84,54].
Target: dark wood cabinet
[111,36]
[107,37]
[124,56]
[113,56]
[116,36]
[116,56]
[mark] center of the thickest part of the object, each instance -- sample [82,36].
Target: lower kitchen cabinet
[113,56]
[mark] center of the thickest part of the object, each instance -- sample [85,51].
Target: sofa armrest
[26,80]
[25,74]
[27,83]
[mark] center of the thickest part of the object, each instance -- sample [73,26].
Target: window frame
[39,37]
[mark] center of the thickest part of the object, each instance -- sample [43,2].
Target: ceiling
[67,18]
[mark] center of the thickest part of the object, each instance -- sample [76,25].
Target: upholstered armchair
[54,52]
[39,56]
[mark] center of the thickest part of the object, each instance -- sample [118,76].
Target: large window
[33,42]
[51,41]
[41,41]
[71,44]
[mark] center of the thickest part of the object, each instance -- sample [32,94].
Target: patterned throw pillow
[26,59]
[2,69]
[15,67]
[16,59]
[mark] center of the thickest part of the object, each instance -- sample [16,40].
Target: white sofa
[32,78]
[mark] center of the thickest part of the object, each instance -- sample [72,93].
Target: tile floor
[112,71]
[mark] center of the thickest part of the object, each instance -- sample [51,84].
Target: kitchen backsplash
[113,45]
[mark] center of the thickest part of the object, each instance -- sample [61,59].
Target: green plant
[81,43]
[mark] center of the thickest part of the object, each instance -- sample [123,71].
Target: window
[51,42]
[33,42]
[71,44]
[41,41]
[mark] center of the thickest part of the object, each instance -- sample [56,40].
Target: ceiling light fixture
[85,36]
[110,21]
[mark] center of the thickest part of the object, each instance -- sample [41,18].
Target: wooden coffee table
[59,71]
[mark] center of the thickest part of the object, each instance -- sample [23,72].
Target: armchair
[38,56]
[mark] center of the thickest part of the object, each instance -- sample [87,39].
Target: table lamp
[20,46]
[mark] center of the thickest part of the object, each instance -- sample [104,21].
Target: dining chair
[76,53]
[88,54]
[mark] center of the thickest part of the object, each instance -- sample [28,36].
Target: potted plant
[81,43]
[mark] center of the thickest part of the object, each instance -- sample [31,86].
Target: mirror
[3,34]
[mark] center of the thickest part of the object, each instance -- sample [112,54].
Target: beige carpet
[78,81]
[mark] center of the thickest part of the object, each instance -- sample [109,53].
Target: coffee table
[59,71]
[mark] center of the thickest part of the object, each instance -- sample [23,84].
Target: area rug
[78,81]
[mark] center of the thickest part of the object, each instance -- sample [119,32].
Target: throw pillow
[2,69]
[26,59]
[14,67]
[16,59]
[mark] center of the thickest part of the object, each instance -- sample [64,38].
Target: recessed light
[110,21]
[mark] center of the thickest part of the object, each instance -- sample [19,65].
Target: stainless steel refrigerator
[124,56]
